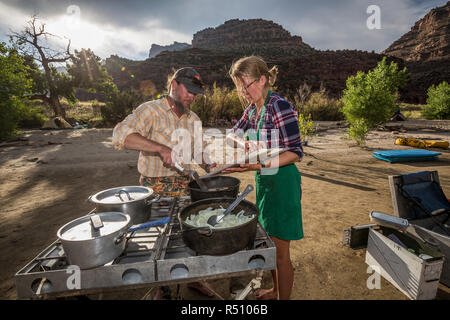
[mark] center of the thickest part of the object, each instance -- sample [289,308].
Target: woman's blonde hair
[253,67]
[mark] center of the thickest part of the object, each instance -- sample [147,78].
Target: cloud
[104,38]
[128,28]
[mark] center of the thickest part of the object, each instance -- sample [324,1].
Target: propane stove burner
[152,257]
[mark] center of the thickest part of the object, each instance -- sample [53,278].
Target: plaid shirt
[155,121]
[280,115]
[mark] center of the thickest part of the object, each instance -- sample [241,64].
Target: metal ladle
[215,219]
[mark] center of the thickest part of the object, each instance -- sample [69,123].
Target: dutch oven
[95,239]
[218,186]
[219,241]
[132,200]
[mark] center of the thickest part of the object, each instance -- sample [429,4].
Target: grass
[82,111]
[412,111]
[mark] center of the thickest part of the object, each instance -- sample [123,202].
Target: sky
[129,28]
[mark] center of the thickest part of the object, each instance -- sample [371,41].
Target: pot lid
[121,195]
[94,226]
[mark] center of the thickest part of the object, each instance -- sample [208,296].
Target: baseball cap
[191,80]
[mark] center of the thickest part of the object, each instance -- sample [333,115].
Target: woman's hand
[253,145]
[244,167]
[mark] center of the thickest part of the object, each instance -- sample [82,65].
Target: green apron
[278,196]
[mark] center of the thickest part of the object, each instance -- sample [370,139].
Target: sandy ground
[46,178]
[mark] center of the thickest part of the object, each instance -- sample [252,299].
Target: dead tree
[34,42]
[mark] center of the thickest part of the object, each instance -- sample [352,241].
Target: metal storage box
[415,274]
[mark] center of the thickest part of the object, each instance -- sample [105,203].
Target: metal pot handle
[126,192]
[204,232]
[96,222]
[159,222]
[154,199]
[119,238]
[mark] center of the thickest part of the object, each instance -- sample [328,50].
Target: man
[149,130]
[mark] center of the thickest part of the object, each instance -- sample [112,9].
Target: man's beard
[179,105]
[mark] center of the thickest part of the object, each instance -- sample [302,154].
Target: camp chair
[418,197]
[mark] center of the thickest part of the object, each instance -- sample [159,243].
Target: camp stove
[152,257]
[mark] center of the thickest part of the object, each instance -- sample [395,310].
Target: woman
[278,189]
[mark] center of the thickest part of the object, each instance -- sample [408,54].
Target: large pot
[135,201]
[219,241]
[218,186]
[95,239]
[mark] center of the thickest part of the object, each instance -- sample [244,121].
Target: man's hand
[166,155]
[206,164]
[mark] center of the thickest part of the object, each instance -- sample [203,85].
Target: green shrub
[14,86]
[438,102]
[322,108]
[218,103]
[369,99]
[119,105]
[317,104]
[358,131]
[8,120]
[31,117]
[306,126]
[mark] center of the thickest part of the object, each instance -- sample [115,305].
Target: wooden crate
[416,277]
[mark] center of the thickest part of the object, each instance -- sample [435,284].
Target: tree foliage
[438,102]
[15,84]
[369,98]
[84,69]
[87,72]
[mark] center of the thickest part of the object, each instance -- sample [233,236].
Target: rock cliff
[214,49]
[253,36]
[176,46]
[429,38]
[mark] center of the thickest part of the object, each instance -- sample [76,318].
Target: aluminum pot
[135,201]
[95,239]
[218,186]
[219,241]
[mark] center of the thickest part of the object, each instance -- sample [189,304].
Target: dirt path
[47,178]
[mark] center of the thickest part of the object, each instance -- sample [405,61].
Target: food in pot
[200,219]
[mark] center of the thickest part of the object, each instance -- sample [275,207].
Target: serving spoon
[215,219]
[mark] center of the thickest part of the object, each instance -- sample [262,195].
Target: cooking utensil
[402,225]
[95,239]
[251,158]
[194,175]
[389,220]
[214,219]
[132,200]
[218,186]
[218,241]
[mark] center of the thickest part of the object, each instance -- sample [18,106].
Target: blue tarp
[406,155]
